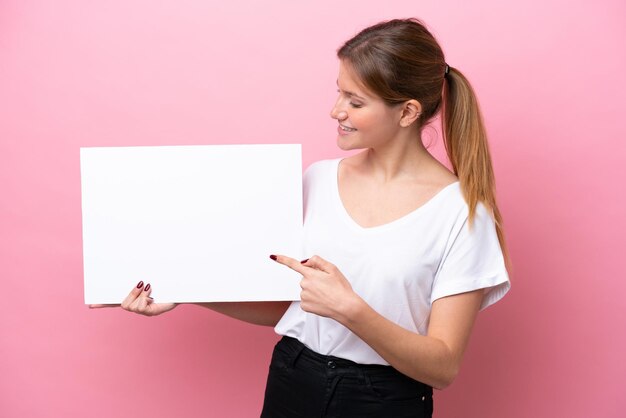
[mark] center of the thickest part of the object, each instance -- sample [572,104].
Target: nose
[337,113]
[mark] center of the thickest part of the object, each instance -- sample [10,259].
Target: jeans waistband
[335,363]
[375,384]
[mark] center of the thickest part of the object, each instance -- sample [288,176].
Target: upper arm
[452,319]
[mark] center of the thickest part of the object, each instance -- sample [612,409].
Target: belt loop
[296,355]
[366,378]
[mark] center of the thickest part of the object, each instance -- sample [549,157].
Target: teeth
[345,128]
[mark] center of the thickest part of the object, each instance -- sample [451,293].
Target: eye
[354,105]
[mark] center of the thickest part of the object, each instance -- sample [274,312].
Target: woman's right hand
[140,302]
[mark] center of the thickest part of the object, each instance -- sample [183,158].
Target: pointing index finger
[292,263]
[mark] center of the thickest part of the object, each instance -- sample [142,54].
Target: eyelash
[354,105]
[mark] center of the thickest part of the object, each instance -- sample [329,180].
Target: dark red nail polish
[273,257]
[147,287]
[139,284]
[304,261]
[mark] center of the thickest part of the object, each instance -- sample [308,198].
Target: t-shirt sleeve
[311,175]
[473,260]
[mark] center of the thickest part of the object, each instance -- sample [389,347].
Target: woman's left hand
[325,290]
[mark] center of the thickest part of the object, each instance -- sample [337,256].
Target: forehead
[348,81]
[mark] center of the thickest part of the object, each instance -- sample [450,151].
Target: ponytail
[400,60]
[465,141]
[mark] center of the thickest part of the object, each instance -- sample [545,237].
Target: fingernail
[304,261]
[273,257]
[139,284]
[147,287]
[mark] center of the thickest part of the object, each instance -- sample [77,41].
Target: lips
[346,128]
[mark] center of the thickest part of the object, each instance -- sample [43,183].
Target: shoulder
[319,176]
[457,203]
[438,175]
[452,209]
[319,168]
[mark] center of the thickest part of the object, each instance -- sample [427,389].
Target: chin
[347,145]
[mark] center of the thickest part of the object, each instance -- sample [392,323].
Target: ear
[411,111]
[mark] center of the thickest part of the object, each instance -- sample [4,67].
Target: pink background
[550,77]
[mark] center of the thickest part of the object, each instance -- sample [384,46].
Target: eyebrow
[349,93]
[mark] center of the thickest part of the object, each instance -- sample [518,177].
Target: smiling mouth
[346,129]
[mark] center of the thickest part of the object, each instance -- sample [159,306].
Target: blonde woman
[403,252]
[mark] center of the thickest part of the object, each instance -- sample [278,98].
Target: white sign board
[196,222]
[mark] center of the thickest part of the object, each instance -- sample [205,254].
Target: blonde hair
[400,60]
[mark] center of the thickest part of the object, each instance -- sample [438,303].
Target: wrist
[351,310]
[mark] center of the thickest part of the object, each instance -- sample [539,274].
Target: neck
[405,156]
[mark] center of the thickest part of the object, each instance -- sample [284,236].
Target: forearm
[423,358]
[433,359]
[258,313]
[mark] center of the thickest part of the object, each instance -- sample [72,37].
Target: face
[365,120]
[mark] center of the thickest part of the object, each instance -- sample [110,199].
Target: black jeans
[304,384]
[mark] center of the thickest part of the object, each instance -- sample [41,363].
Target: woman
[403,252]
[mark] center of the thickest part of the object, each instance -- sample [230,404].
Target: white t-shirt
[399,268]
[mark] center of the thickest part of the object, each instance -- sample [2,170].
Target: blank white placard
[196,222]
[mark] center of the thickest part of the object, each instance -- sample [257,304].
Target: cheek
[375,125]
[364,120]
[374,119]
